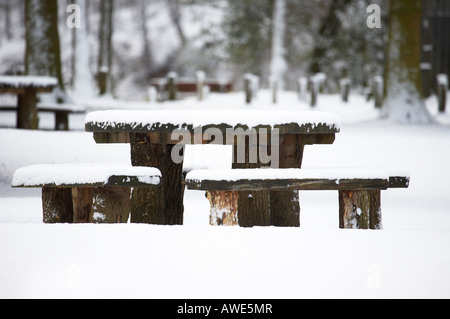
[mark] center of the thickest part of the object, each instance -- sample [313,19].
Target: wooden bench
[86,193]
[61,112]
[359,190]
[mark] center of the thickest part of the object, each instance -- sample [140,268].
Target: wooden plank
[289,184]
[399,182]
[112,138]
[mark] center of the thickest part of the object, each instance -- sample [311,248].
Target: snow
[72,174]
[27,81]
[408,259]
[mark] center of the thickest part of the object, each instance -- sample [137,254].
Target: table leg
[163,205]
[285,206]
[27,117]
[253,206]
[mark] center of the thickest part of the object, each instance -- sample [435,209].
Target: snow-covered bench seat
[61,111]
[359,190]
[86,193]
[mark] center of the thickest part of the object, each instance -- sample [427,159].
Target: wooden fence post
[274,90]
[200,80]
[248,88]
[314,90]
[442,88]
[344,85]
[172,86]
[378,89]
[302,88]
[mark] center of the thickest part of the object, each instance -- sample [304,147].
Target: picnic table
[260,138]
[27,88]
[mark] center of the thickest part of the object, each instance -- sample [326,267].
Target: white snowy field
[408,259]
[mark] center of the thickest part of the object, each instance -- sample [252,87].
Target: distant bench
[61,112]
[359,190]
[86,193]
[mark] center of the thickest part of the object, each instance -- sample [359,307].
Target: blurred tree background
[225,38]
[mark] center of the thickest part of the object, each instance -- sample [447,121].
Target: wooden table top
[192,120]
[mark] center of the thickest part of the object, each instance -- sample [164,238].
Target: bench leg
[57,205]
[111,205]
[61,121]
[360,209]
[224,208]
[82,205]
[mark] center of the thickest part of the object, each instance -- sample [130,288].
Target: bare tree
[105,46]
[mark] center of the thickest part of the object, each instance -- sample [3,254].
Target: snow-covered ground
[408,259]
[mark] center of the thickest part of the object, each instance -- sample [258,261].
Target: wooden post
[111,205]
[27,116]
[345,89]
[274,90]
[314,91]
[302,87]
[172,86]
[57,205]
[248,88]
[253,206]
[360,209]
[102,80]
[285,206]
[82,205]
[200,80]
[442,88]
[162,205]
[224,208]
[378,89]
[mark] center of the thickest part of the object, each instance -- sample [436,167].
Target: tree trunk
[42,53]
[105,46]
[163,205]
[147,57]
[403,81]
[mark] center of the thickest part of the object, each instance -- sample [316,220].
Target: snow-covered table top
[13,84]
[287,121]
[85,175]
